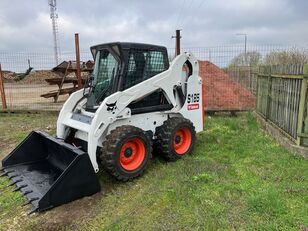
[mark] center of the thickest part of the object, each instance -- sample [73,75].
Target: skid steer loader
[133,102]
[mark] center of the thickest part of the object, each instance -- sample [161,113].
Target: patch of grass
[8,199]
[266,201]
[237,178]
[14,128]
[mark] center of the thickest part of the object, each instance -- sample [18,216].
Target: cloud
[27,26]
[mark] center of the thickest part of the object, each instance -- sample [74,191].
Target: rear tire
[126,152]
[175,138]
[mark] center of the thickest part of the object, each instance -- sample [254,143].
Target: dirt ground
[26,93]
[27,97]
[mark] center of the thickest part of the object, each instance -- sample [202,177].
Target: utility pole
[242,34]
[177,42]
[54,17]
[78,72]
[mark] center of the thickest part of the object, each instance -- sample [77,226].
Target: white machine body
[92,127]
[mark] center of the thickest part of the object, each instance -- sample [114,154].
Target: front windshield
[106,67]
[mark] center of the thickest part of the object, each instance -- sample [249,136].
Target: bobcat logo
[111,106]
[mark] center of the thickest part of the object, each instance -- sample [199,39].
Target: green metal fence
[282,99]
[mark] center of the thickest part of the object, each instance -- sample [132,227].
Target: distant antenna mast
[54,19]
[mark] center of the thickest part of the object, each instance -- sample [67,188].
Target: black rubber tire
[165,135]
[110,152]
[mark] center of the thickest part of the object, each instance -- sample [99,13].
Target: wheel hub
[177,139]
[128,152]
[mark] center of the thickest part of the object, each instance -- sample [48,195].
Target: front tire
[175,138]
[126,152]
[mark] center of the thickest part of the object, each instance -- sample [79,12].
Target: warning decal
[194,106]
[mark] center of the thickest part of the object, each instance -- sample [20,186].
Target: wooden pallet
[67,68]
[55,94]
[58,81]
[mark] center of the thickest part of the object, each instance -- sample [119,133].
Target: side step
[50,172]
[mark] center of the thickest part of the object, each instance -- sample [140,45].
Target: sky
[26,25]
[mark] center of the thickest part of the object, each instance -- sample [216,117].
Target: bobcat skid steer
[133,102]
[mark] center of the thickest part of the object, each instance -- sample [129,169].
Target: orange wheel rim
[132,154]
[182,141]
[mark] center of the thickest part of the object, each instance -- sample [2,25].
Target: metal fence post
[257,91]
[269,88]
[302,106]
[4,106]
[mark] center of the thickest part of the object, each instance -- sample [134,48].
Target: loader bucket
[50,172]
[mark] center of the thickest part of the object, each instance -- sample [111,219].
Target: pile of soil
[221,92]
[8,76]
[35,77]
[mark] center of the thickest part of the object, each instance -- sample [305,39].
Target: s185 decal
[193,98]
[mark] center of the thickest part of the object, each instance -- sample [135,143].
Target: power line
[187,9]
[191,15]
[183,18]
[179,14]
[201,3]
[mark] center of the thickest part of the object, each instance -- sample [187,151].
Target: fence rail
[282,99]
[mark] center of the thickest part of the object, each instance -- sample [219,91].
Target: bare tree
[252,59]
[293,56]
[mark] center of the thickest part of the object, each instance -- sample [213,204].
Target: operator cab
[119,66]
